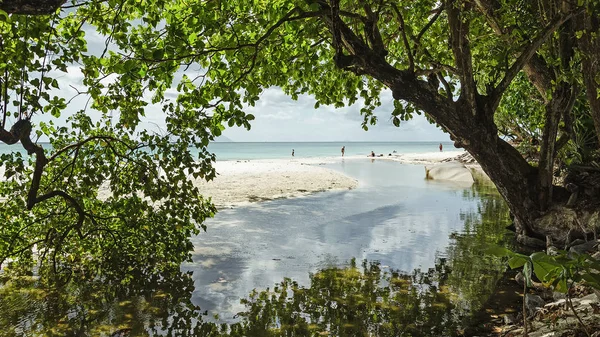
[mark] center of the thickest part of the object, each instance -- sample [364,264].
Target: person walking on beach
[292,152]
[441,147]
[343,150]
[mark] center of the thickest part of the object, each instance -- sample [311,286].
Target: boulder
[583,247]
[451,171]
[533,303]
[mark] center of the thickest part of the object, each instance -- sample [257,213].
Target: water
[277,150]
[395,217]
[235,151]
[424,272]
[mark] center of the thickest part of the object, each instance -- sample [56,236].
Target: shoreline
[243,182]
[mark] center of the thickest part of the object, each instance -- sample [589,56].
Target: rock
[453,171]
[509,319]
[558,296]
[586,300]
[533,302]
[583,248]
[596,255]
[558,223]
[577,242]
[530,242]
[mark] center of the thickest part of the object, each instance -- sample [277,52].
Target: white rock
[452,171]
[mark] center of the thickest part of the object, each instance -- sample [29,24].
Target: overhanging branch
[31,7]
[525,56]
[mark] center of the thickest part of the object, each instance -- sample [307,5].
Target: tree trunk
[554,111]
[505,166]
[590,64]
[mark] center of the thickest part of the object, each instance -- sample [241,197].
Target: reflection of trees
[365,300]
[474,273]
[354,301]
[31,306]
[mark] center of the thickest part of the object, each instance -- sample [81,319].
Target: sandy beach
[241,182]
[245,181]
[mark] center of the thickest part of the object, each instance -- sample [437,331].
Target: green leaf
[527,273]
[545,267]
[192,38]
[517,261]
[158,54]
[497,250]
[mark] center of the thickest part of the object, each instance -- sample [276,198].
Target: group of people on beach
[370,155]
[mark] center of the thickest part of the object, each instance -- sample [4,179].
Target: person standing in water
[343,150]
[441,147]
[292,152]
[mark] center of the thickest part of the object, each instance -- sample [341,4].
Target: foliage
[200,63]
[559,271]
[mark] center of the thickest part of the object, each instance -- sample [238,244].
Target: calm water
[395,217]
[295,267]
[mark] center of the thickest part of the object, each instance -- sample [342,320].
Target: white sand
[425,158]
[242,182]
[245,181]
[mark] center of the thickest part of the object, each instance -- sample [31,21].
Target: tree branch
[87,140]
[459,42]
[438,12]
[526,55]
[411,60]
[31,7]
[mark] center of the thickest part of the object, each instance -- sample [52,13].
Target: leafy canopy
[201,62]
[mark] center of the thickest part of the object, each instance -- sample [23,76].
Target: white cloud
[279,118]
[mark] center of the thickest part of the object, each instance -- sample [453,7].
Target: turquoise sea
[277,150]
[274,150]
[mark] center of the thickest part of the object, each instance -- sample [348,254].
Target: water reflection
[356,299]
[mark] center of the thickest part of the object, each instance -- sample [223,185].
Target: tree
[463,63]
[102,198]
[454,60]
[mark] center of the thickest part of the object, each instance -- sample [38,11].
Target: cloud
[279,118]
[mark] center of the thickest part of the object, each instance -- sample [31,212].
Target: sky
[278,117]
[281,119]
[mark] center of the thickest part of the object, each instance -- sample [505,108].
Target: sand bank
[242,182]
[246,181]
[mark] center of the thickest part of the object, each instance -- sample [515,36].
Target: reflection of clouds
[398,219]
[405,241]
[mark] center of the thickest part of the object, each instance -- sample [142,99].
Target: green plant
[560,271]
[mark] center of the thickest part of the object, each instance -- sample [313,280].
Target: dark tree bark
[31,7]
[590,63]
[470,118]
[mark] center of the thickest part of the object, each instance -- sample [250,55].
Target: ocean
[279,150]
